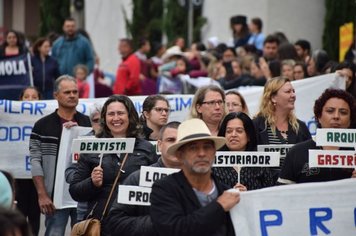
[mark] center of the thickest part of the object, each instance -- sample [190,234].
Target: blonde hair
[199,99]
[267,108]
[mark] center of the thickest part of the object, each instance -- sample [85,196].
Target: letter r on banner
[264,223]
[317,221]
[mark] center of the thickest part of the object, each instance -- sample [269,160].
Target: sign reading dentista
[249,159]
[336,137]
[103,145]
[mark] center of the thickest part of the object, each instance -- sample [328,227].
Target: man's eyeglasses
[213,102]
[161,109]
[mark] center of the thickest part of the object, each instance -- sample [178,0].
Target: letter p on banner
[264,222]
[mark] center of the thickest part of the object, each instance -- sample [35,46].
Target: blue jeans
[56,223]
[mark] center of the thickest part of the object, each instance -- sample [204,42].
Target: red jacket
[128,77]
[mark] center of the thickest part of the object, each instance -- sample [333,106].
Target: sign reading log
[251,159]
[148,174]
[103,145]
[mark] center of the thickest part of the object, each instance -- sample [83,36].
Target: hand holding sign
[228,199]
[97,176]
[240,187]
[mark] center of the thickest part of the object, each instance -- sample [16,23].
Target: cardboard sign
[103,145]
[148,174]
[336,159]
[251,159]
[134,195]
[336,137]
[283,149]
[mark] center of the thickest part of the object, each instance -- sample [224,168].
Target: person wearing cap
[192,201]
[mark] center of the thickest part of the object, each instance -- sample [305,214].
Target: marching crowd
[197,199]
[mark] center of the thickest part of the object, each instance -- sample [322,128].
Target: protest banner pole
[30,68]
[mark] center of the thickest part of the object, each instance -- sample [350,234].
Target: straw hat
[194,130]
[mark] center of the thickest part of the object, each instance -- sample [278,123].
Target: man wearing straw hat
[192,201]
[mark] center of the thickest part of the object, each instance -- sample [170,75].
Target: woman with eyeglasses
[276,122]
[93,179]
[240,135]
[235,102]
[209,105]
[155,113]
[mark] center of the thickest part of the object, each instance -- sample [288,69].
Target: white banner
[336,137]
[17,117]
[134,195]
[61,196]
[251,159]
[149,174]
[327,208]
[334,159]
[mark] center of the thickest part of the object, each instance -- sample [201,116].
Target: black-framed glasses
[161,109]
[213,102]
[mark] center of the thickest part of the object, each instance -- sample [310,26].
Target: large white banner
[327,208]
[17,118]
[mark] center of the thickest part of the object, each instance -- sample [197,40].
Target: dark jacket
[82,188]
[70,52]
[262,135]
[44,146]
[131,220]
[296,166]
[44,73]
[176,210]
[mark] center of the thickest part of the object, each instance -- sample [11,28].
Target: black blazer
[176,210]
[262,135]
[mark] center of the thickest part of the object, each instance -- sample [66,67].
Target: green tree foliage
[176,21]
[53,13]
[149,20]
[337,13]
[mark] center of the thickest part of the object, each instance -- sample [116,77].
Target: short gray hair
[95,109]
[62,78]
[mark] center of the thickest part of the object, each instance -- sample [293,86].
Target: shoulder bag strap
[113,186]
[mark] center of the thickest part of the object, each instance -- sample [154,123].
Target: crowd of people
[185,202]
